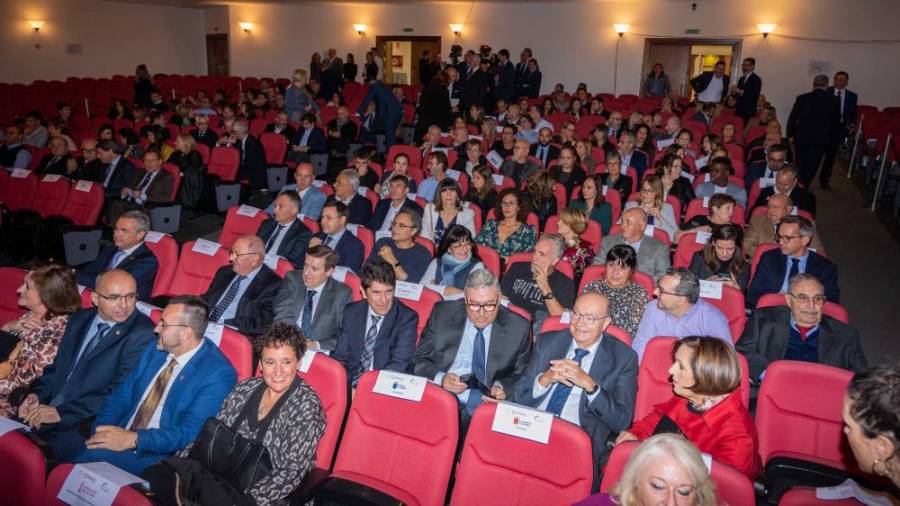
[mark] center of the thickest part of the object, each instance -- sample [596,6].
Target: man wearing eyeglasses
[150,185]
[793,256]
[583,375]
[203,134]
[762,228]
[98,349]
[786,184]
[800,331]
[474,348]
[241,294]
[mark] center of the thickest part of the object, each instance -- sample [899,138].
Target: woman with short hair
[446,210]
[626,298]
[456,257]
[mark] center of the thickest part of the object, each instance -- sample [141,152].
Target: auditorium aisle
[868,260]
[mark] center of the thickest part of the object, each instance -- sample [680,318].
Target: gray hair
[805,226]
[626,133]
[820,81]
[293,196]
[482,278]
[414,216]
[255,244]
[558,241]
[789,168]
[194,314]
[613,155]
[801,277]
[143,221]
[352,177]
[240,127]
[688,283]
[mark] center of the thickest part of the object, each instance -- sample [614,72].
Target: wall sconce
[37,25]
[766,28]
[247,27]
[360,29]
[621,28]
[456,29]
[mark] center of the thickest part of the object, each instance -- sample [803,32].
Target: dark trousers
[828,164]
[809,156]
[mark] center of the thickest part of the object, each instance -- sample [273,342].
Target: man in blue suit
[98,350]
[118,172]
[778,266]
[630,156]
[378,332]
[161,406]
[128,253]
[847,101]
[334,234]
[389,111]
[312,199]
[310,140]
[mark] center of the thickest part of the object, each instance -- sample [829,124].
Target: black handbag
[238,460]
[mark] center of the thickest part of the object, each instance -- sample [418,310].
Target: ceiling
[212,3]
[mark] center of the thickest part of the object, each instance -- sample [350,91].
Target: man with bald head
[520,167]
[98,349]
[762,228]
[88,167]
[652,255]
[312,199]
[786,183]
[241,294]
[583,375]
[544,150]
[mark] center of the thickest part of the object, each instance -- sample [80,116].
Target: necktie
[840,95]
[145,181]
[109,172]
[478,369]
[306,318]
[114,261]
[226,300]
[145,411]
[561,392]
[86,348]
[274,237]
[327,240]
[368,353]
[795,268]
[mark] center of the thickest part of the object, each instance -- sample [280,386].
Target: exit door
[401,56]
[684,59]
[217,55]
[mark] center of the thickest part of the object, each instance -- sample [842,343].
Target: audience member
[765,170]
[282,127]
[722,258]
[786,184]
[711,86]
[285,234]
[507,232]
[652,255]
[342,133]
[814,123]
[872,422]
[35,134]
[630,157]
[311,198]
[408,258]
[537,286]
[626,298]
[89,167]
[721,209]
[651,200]
[399,167]
[117,171]
[472,158]
[396,201]
[150,186]
[540,196]
[389,114]
[763,228]
[346,191]
[297,98]
[253,156]
[614,178]
[55,162]
[520,167]
[349,248]
[445,210]
[579,252]
[203,134]
[593,203]
[747,90]
[673,180]
[719,170]
[310,140]
[456,257]
[481,191]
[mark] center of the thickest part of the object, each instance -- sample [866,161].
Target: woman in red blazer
[707,407]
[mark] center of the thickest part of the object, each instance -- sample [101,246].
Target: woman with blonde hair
[579,252]
[297,99]
[652,200]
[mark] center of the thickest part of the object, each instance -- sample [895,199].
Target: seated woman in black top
[568,172]
[721,208]
[613,176]
[722,259]
[481,191]
[190,164]
[539,195]
[409,259]
[674,183]
[600,139]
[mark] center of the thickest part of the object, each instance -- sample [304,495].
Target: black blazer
[746,101]
[142,264]
[850,102]
[531,84]
[475,89]
[394,345]
[350,250]
[772,268]
[99,372]
[254,311]
[316,141]
[552,153]
[434,108]
[766,336]
[815,118]
[700,83]
[88,171]
[622,185]
[576,178]
[381,211]
[360,209]
[799,196]
[506,84]
[122,175]
[253,164]
[508,353]
[209,137]
[289,132]
[639,162]
[51,165]
[294,244]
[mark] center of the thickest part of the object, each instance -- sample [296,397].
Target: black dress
[485,204]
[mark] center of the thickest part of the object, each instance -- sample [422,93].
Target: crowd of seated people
[555,265]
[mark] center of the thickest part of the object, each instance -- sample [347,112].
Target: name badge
[707,177]
[408,291]
[849,489]
[382,234]
[399,385]
[702,237]
[20,173]
[340,273]
[318,183]
[306,361]
[519,421]
[765,182]
[84,186]
[566,317]
[705,201]
[688,176]
[648,231]
[454,174]
[301,216]
[441,149]
[361,191]
[710,289]
[663,144]
[412,196]
[145,308]
[206,247]
[353,228]
[721,189]
[248,211]
[605,189]
[154,237]
[476,137]
[707,461]
[271,261]
[793,210]
[498,179]
[51,178]
[7,425]
[96,484]
[214,332]
[495,159]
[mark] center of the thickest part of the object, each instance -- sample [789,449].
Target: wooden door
[675,59]
[217,55]
[432,46]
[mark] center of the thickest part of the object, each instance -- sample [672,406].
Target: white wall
[114,36]
[575,41]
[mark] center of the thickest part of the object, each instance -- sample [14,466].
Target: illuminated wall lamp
[245,26]
[360,29]
[621,28]
[37,25]
[766,28]
[456,29]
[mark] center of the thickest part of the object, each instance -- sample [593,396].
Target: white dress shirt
[273,249]
[713,92]
[462,364]
[180,362]
[570,411]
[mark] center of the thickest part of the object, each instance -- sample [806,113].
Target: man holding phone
[474,348]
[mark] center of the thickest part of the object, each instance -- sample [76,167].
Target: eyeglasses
[509,204]
[587,317]
[664,292]
[164,325]
[401,225]
[786,238]
[115,299]
[487,307]
[817,300]
[647,190]
[461,245]
[236,254]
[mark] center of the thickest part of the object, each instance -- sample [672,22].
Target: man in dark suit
[777,267]
[118,172]
[476,86]
[544,150]
[241,294]
[203,134]
[128,253]
[424,66]
[812,127]
[800,332]
[378,332]
[531,82]
[341,133]
[150,185]
[522,67]
[847,101]
[253,156]
[396,201]
[747,90]
[281,126]
[630,156]
[334,234]
[89,167]
[705,114]
[520,167]
[583,375]
[766,170]
[56,161]
[98,350]
[711,86]
[474,339]
[786,184]
[163,403]
[313,300]
[285,234]
[506,77]
[346,190]
[389,111]
[310,140]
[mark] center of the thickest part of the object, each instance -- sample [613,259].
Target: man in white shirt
[711,86]
[312,199]
[13,153]
[539,121]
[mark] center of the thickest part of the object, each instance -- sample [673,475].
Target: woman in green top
[593,204]
[507,231]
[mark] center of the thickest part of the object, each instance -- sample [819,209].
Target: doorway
[684,59]
[217,55]
[401,56]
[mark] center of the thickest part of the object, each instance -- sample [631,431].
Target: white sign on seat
[248,211]
[399,385]
[96,484]
[206,247]
[526,423]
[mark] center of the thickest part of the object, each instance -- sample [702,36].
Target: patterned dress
[580,256]
[520,241]
[39,348]
[626,304]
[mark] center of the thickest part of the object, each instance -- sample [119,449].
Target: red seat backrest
[798,411]
[237,348]
[329,379]
[760,249]
[21,188]
[559,472]
[732,306]
[51,196]
[224,162]
[275,146]
[258,126]
[11,278]
[422,307]
[127,496]
[195,270]
[351,279]
[685,250]
[166,251]
[83,206]
[237,224]
[468,205]
[404,448]
[366,236]
[22,481]
[836,311]
[175,171]
[282,267]
[490,258]
[412,152]
[204,151]
[806,496]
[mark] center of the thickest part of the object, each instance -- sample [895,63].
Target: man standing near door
[711,86]
[747,90]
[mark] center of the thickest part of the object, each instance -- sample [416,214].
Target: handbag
[238,460]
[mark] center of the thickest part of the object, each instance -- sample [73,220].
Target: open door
[402,54]
[683,59]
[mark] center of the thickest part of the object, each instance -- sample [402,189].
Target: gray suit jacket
[291,297]
[508,352]
[509,166]
[614,368]
[652,258]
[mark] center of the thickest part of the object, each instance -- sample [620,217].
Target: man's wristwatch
[549,295]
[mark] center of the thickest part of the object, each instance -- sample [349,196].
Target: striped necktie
[145,411]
